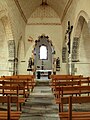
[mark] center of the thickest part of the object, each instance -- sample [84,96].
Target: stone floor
[40,105]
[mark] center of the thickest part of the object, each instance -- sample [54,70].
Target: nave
[62,97]
[29,99]
[41,104]
[43,38]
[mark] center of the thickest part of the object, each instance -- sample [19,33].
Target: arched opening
[7,66]
[43,56]
[82,66]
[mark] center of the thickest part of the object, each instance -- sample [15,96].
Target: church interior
[44,60]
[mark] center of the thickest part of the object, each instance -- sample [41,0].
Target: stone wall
[79,8]
[13,27]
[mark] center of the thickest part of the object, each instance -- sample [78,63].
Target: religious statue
[54,65]
[30,63]
[58,64]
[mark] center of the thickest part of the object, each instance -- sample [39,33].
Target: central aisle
[40,105]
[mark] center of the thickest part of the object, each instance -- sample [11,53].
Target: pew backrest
[74,100]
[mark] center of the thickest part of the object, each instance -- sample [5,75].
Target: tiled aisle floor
[40,105]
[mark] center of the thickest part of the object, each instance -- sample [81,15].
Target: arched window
[43,52]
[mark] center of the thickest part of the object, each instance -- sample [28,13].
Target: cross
[68,32]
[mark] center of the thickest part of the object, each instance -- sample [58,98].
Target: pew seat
[74,115]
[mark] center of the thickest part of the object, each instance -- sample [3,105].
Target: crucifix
[68,38]
[68,33]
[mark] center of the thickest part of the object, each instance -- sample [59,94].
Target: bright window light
[43,52]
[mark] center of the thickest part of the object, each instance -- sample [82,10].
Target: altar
[43,74]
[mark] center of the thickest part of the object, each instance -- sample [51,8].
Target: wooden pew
[13,90]
[82,81]
[18,80]
[72,115]
[59,76]
[10,87]
[29,79]
[64,83]
[63,78]
[25,78]
[74,82]
[70,90]
[9,114]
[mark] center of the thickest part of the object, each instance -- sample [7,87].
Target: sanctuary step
[42,82]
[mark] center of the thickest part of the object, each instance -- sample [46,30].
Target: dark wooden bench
[9,114]
[72,115]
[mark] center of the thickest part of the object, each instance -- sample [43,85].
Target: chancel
[44,59]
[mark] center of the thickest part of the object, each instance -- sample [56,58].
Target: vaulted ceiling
[27,7]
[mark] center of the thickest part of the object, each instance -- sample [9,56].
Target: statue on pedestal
[58,64]
[30,63]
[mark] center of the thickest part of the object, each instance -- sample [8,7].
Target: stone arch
[82,16]
[81,42]
[4,46]
[20,56]
[43,40]
[8,29]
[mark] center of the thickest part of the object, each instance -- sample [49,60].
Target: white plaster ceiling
[28,6]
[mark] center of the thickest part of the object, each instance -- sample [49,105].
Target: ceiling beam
[66,9]
[20,10]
